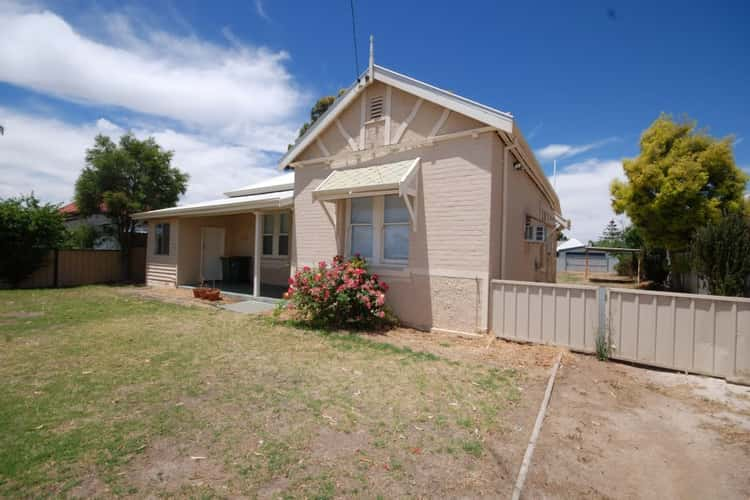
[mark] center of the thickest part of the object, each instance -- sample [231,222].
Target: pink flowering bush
[340,294]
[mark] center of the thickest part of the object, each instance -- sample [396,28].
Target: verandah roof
[224,206]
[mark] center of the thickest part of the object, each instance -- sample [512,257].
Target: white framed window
[536,233]
[378,229]
[276,229]
[161,234]
[395,229]
[268,223]
[283,244]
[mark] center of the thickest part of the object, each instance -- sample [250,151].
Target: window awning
[398,178]
[389,178]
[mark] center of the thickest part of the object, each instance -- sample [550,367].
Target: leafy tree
[682,179]
[82,236]
[721,255]
[28,231]
[127,177]
[653,260]
[318,110]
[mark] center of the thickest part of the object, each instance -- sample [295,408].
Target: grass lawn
[106,393]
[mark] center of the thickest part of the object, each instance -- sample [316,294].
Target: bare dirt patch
[617,431]
[169,467]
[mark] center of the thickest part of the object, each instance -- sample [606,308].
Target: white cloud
[261,10]
[559,151]
[583,189]
[46,155]
[227,111]
[227,90]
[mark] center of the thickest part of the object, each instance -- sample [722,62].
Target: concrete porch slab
[250,307]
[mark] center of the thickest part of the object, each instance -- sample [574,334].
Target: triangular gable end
[404,108]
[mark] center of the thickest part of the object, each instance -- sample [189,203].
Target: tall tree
[682,179]
[124,178]
[318,110]
[612,235]
[721,255]
[28,231]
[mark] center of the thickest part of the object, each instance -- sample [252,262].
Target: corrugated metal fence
[696,333]
[85,267]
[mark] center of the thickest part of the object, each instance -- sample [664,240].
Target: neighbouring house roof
[569,244]
[72,209]
[384,177]
[283,182]
[224,206]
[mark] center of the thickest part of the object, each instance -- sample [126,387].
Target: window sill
[397,270]
[274,257]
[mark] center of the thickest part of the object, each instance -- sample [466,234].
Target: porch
[221,251]
[241,244]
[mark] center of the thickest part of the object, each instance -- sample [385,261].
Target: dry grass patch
[109,393]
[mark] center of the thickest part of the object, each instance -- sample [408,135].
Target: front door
[212,249]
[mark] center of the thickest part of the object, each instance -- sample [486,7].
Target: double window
[276,235]
[535,232]
[161,233]
[379,229]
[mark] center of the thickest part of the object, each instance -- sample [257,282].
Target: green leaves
[721,255]
[125,178]
[682,179]
[28,230]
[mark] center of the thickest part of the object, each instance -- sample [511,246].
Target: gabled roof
[485,114]
[283,182]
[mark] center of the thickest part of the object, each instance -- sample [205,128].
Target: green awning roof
[397,177]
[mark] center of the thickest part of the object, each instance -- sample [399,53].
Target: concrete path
[250,307]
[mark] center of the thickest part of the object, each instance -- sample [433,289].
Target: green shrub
[28,231]
[721,255]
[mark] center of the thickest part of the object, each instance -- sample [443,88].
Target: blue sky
[226,84]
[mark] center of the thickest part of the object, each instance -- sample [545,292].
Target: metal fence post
[601,295]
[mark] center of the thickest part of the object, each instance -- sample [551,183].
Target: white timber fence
[702,334]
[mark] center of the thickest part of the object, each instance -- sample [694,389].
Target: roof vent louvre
[376,107]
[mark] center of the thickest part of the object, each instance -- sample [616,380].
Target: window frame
[159,244]
[378,231]
[534,229]
[279,234]
[275,234]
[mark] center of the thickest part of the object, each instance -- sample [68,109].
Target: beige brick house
[441,194]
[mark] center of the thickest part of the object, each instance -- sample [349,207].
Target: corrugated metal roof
[281,182]
[226,206]
[571,243]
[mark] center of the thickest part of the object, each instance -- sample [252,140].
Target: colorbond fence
[564,315]
[85,267]
[695,333]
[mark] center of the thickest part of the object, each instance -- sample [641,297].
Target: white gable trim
[462,105]
[485,114]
